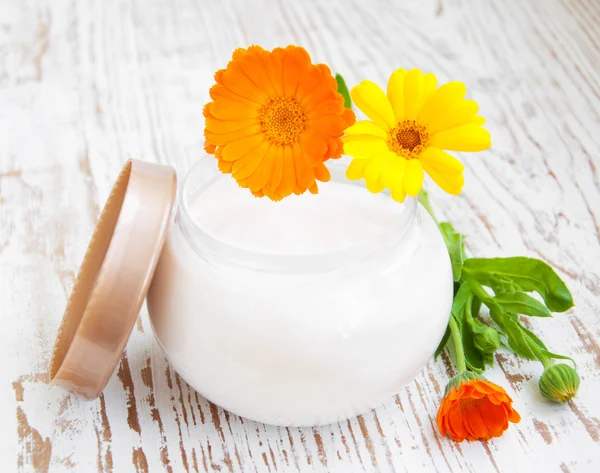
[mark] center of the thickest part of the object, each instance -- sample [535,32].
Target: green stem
[458,346]
[424,201]
[544,359]
[480,292]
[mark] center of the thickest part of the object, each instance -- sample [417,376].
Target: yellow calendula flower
[408,131]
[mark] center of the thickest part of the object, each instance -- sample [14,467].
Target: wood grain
[84,85]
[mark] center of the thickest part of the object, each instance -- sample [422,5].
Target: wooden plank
[85,85]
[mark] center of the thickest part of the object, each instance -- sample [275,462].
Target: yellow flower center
[408,139]
[282,120]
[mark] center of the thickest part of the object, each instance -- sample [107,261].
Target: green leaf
[517,340]
[474,358]
[522,340]
[521,273]
[460,299]
[476,306]
[534,338]
[456,248]
[443,343]
[343,89]
[521,303]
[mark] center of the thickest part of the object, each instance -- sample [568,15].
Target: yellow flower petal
[366,127]
[462,138]
[452,184]
[372,101]
[413,177]
[447,95]
[455,115]
[414,88]
[477,120]
[392,176]
[373,172]
[440,160]
[395,93]
[356,169]
[429,86]
[444,169]
[364,149]
[398,194]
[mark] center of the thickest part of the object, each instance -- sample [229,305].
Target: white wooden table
[86,84]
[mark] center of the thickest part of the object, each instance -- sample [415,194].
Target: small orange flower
[475,409]
[274,120]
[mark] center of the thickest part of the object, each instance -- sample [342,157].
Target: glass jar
[304,337]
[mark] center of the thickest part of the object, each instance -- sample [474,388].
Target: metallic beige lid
[114,277]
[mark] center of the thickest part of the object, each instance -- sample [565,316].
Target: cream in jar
[300,312]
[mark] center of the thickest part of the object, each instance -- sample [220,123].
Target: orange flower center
[282,120]
[408,139]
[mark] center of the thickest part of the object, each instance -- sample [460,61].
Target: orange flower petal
[235,150]
[219,91]
[276,173]
[209,147]
[489,388]
[334,148]
[308,83]
[322,173]
[225,138]
[495,419]
[225,166]
[244,167]
[215,125]
[325,92]
[273,65]
[455,423]
[303,171]
[474,422]
[327,125]
[349,117]
[233,110]
[238,82]
[262,173]
[254,68]
[314,146]
[288,180]
[295,63]
[325,107]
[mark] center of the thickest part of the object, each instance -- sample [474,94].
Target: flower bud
[487,339]
[559,383]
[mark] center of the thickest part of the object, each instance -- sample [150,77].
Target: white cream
[338,217]
[306,311]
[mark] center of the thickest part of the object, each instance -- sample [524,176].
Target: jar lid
[114,278]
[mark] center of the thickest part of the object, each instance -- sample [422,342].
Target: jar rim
[216,249]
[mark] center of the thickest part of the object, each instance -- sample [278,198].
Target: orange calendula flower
[475,409]
[274,119]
